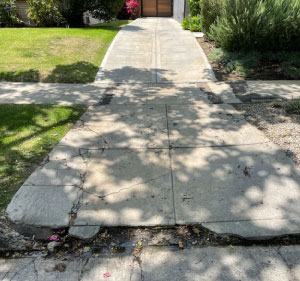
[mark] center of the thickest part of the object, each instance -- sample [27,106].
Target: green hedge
[256,25]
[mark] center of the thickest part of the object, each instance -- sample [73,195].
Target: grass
[27,134]
[290,107]
[63,55]
[257,65]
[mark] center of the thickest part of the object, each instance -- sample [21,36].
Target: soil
[266,70]
[280,127]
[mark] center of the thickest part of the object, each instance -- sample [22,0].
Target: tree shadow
[31,75]
[80,72]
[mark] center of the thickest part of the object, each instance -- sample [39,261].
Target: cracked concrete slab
[43,206]
[119,126]
[210,125]
[127,187]
[256,189]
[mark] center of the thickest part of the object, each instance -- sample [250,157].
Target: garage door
[157,8]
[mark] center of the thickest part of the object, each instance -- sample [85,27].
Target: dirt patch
[265,70]
[280,127]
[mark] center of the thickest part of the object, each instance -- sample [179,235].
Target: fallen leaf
[106,275]
[196,230]
[180,245]
[136,252]
[86,249]
[230,247]
[140,243]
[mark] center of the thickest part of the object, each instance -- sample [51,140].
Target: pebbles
[280,127]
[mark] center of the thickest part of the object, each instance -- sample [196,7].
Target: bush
[8,14]
[192,23]
[256,25]
[293,107]
[106,10]
[72,11]
[44,12]
[210,11]
[195,7]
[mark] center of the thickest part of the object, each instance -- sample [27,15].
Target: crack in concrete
[80,276]
[126,188]
[286,263]
[17,272]
[35,270]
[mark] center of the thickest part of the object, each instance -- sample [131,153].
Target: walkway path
[161,154]
[154,50]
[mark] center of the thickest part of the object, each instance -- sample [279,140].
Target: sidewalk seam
[170,165]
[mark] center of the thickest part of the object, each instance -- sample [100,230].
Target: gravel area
[280,127]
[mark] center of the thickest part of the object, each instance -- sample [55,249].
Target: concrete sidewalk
[149,154]
[154,264]
[162,163]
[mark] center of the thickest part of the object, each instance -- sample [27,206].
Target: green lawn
[54,54]
[27,134]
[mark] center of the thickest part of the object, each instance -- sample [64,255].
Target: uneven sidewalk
[156,155]
[155,264]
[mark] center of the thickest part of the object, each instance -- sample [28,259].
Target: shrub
[44,12]
[293,107]
[195,7]
[105,9]
[186,23]
[257,25]
[192,23]
[132,6]
[8,14]
[72,11]
[210,11]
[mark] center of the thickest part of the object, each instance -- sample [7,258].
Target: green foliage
[195,7]
[8,14]
[192,23]
[293,107]
[106,9]
[210,11]
[44,12]
[241,62]
[72,11]
[257,25]
[186,23]
[277,104]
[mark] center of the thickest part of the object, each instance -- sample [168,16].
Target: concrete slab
[210,125]
[211,263]
[220,264]
[256,184]
[292,258]
[119,126]
[158,94]
[223,91]
[128,187]
[183,68]
[64,166]
[50,93]
[85,232]
[254,91]
[42,206]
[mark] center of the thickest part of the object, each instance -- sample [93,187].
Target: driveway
[154,50]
